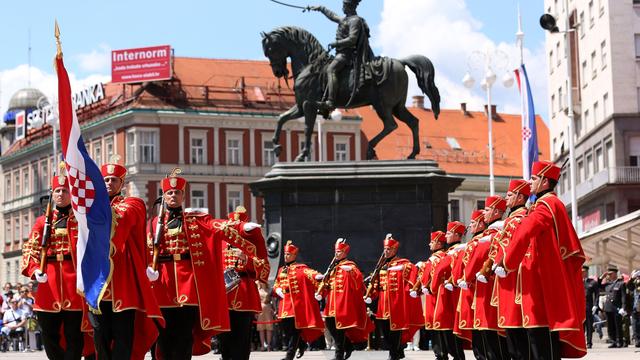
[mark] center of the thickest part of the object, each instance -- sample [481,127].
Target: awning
[616,242]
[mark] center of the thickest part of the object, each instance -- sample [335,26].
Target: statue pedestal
[314,203]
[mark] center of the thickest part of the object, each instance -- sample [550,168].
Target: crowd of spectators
[18,327]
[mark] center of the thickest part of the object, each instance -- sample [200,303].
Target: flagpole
[572,158]
[520,43]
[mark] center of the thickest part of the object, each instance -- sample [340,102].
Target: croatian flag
[529,134]
[89,199]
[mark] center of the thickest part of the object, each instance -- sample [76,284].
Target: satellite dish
[548,22]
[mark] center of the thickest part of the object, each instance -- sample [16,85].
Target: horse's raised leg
[389,123]
[292,113]
[404,115]
[310,110]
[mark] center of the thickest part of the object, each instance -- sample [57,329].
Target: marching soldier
[298,310]
[548,256]
[615,304]
[125,326]
[57,303]
[446,300]
[243,298]
[392,285]
[591,292]
[345,313]
[187,272]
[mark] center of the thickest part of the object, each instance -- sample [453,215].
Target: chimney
[494,113]
[418,101]
[463,108]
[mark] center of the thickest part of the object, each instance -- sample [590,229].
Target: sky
[452,33]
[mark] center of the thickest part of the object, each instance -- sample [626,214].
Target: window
[603,54]
[198,145]
[610,156]
[594,71]
[580,171]
[454,210]
[198,196]
[589,168]
[16,229]
[108,147]
[599,163]
[480,204]
[560,100]
[553,105]
[26,183]
[601,7]
[268,156]
[7,189]
[16,184]
[577,126]
[142,146]
[301,146]
[587,122]
[26,228]
[96,152]
[605,101]
[582,24]
[591,19]
[341,151]
[44,174]
[595,112]
[551,62]
[637,38]
[7,231]
[234,197]
[233,151]
[584,73]
[131,147]
[634,151]
[558,53]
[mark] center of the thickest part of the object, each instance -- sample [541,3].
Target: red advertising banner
[591,220]
[141,64]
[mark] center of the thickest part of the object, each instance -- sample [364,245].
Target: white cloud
[97,60]
[12,80]
[447,33]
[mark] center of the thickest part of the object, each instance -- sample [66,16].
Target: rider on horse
[352,49]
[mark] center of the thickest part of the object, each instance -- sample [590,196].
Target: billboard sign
[21,125]
[141,64]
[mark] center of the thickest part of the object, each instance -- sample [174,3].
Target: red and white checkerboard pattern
[526,133]
[82,190]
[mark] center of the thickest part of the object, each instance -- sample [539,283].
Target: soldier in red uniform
[57,303]
[466,304]
[392,288]
[345,313]
[189,280]
[125,325]
[548,256]
[243,299]
[298,310]
[447,300]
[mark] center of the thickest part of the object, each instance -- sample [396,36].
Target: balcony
[608,176]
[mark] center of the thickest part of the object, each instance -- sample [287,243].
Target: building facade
[605,51]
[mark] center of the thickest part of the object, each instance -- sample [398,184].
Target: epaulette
[195,213]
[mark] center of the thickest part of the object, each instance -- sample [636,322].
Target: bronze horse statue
[308,62]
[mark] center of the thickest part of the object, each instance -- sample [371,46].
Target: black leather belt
[58,257]
[174,257]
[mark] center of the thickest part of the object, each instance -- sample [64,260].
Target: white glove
[463,285]
[40,276]
[250,226]
[367,300]
[318,297]
[280,293]
[413,294]
[448,286]
[493,267]
[622,312]
[501,272]
[319,277]
[594,309]
[152,275]
[481,278]
[346,267]
[426,291]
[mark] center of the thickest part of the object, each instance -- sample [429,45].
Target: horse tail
[425,73]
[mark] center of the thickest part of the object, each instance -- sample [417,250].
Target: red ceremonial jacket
[466,300]
[426,274]
[344,301]
[446,301]
[298,284]
[59,292]
[504,289]
[548,256]
[197,279]
[128,287]
[485,316]
[457,272]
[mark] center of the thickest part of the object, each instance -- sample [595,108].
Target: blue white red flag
[529,133]
[89,198]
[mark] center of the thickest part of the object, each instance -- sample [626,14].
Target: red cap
[546,169]
[341,244]
[477,214]
[60,180]
[290,248]
[456,227]
[520,186]
[173,181]
[239,215]
[389,241]
[496,202]
[438,236]
[113,169]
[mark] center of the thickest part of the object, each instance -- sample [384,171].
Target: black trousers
[518,343]
[477,345]
[393,339]
[236,344]
[494,345]
[588,326]
[51,323]
[614,326]
[342,343]
[544,344]
[175,341]
[113,332]
[452,344]
[295,342]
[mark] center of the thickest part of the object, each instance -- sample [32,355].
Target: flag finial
[56,32]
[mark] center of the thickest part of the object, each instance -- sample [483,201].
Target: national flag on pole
[529,133]
[89,198]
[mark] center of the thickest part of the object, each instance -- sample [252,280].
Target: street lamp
[548,22]
[490,59]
